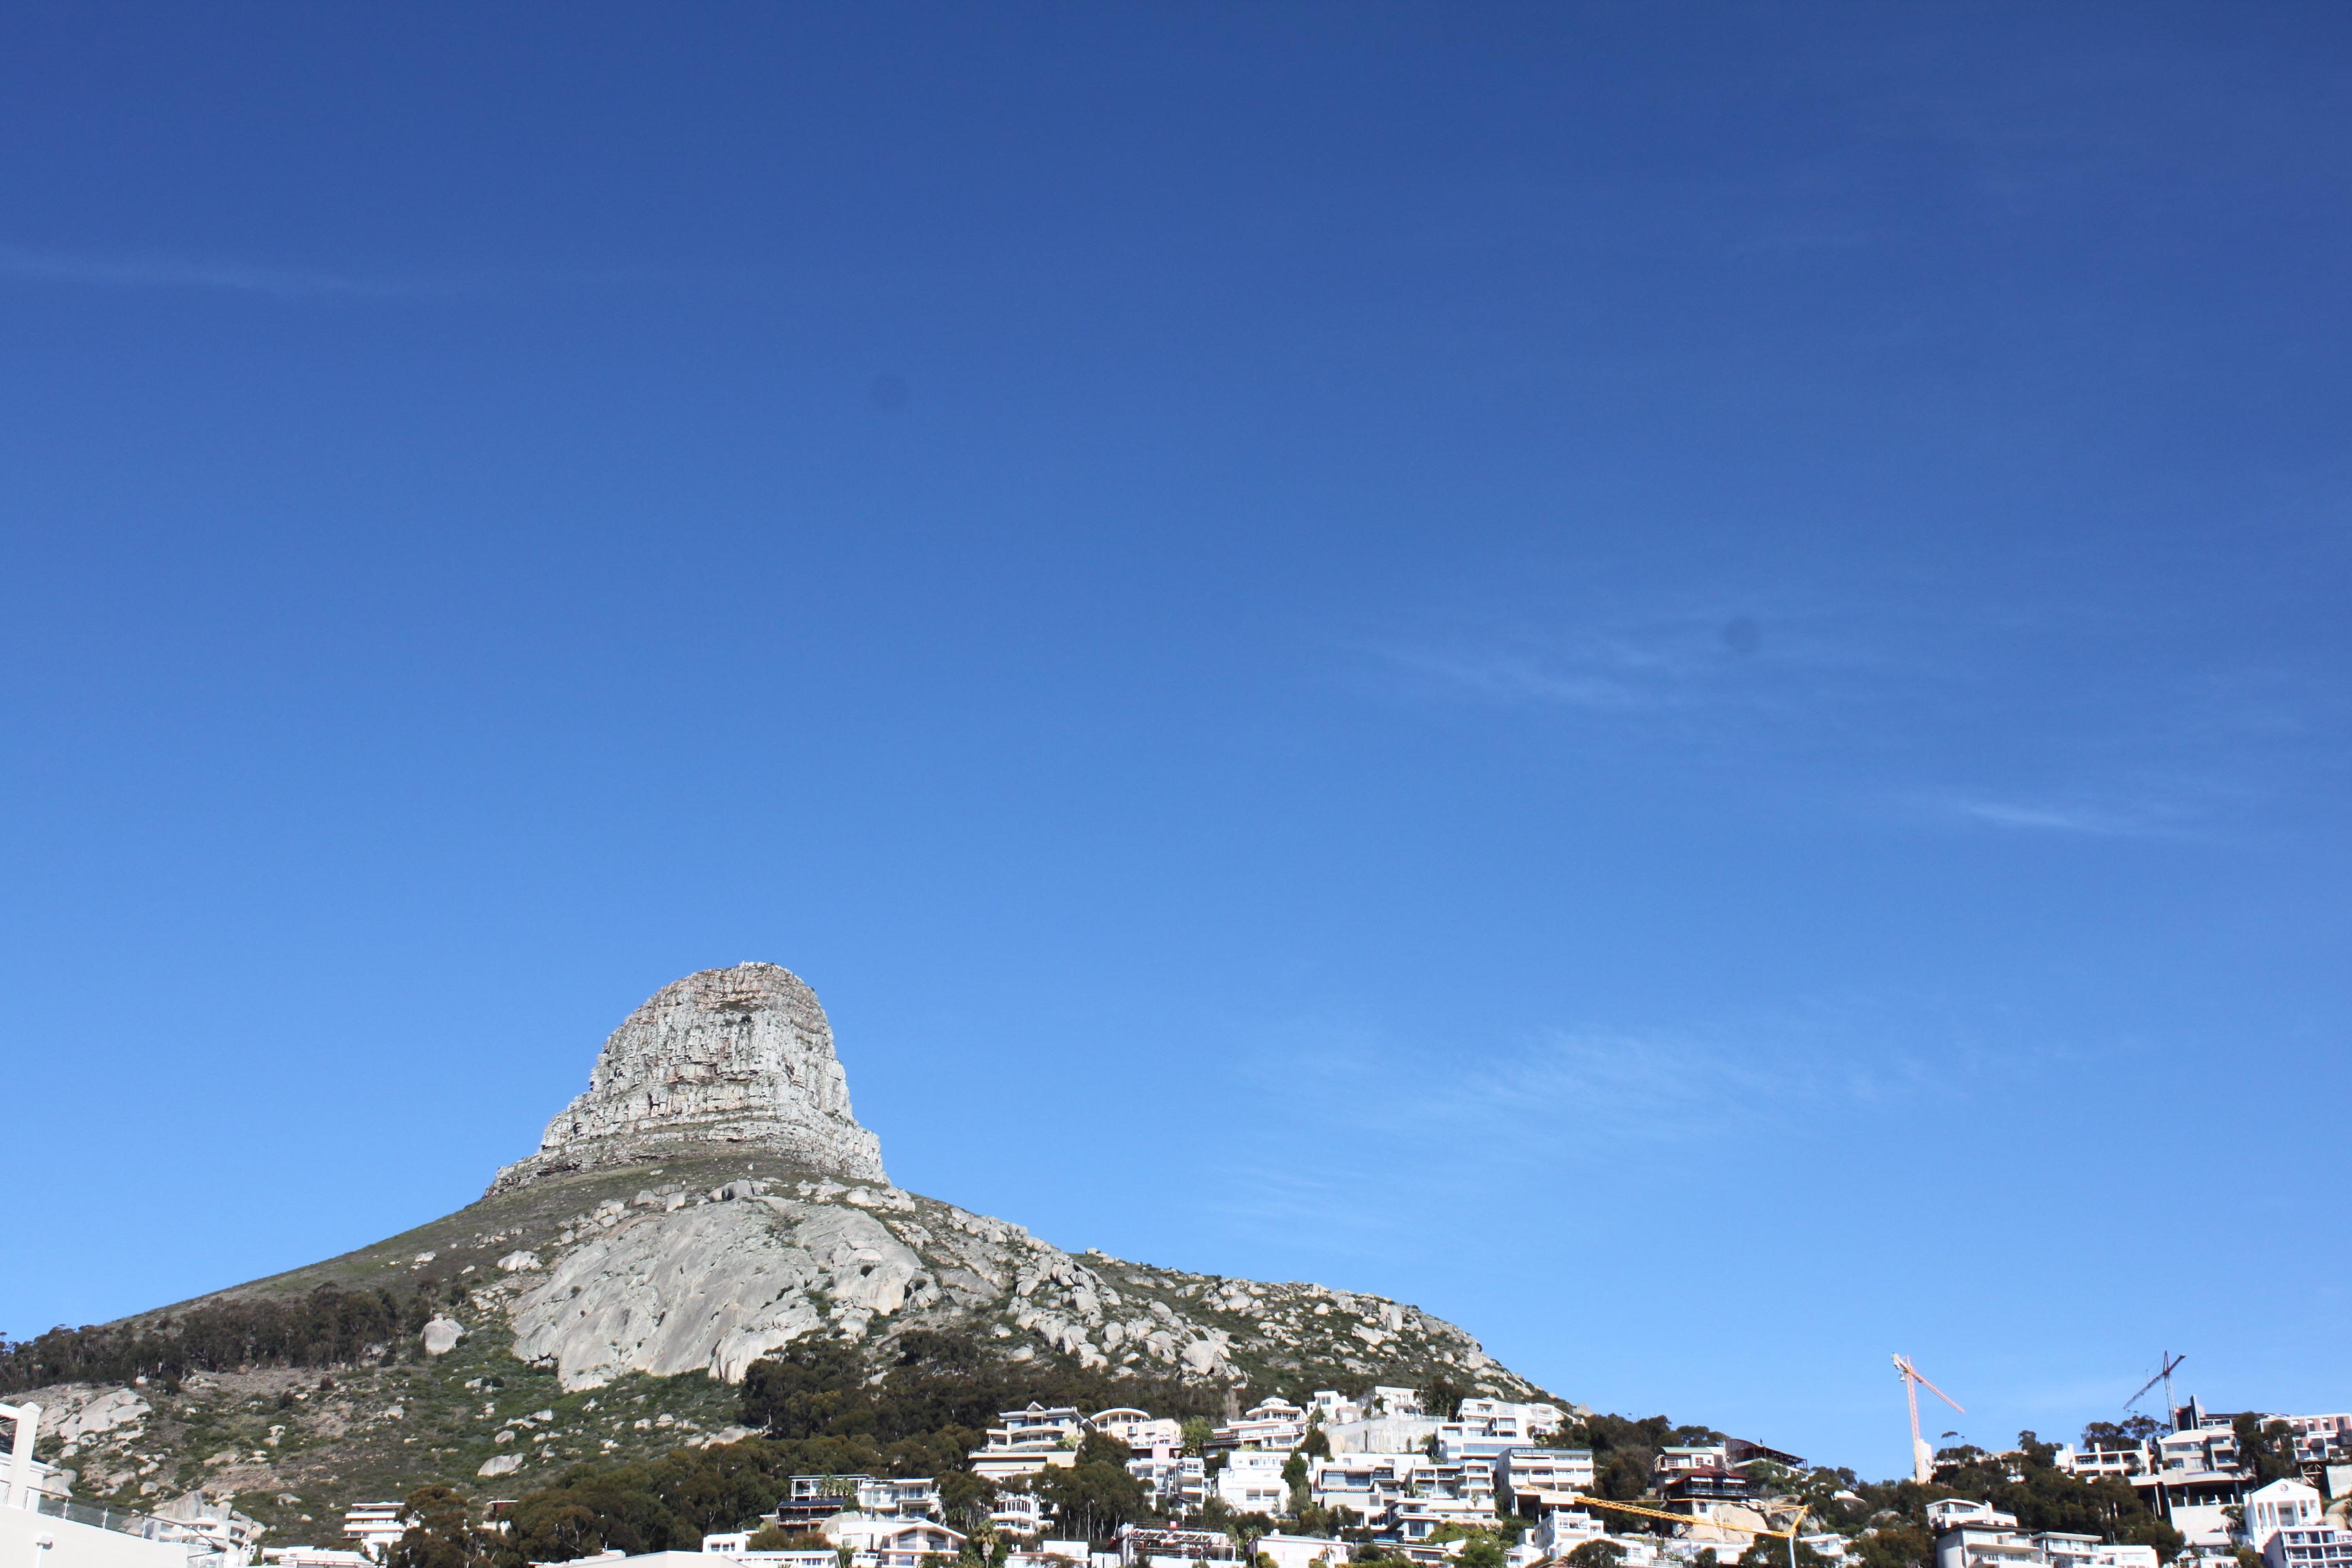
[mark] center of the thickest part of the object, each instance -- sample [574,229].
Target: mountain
[708,1200]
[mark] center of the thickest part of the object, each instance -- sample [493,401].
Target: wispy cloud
[2116,820]
[1685,662]
[148,270]
[1430,1131]
[2057,720]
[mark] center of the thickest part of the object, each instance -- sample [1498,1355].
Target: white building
[1177,1483]
[1986,1545]
[1417,1519]
[892,1542]
[736,1547]
[2062,1549]
[1538,1416]
[2282,1505]
[1539,1478]
[1972,1534]
[40,1524]
[376,1526]
[2138,1459]
[1304,1551]
[1484,1438]
[1141,1432]
[1366,1483]
[1018,1513]
[2318,1545]
[1561,1531]
[1251,1482]
[898,1497]
[1270,1424]
[1400,1432]
[1029,1440]
[2210,1446]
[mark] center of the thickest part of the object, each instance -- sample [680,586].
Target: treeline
[940,1385]
[822,1411]
[669,1504]
[2029,1484]
[327,1327]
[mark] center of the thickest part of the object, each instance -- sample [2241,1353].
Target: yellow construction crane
[1795,1524]
[1923,1459]
[1648,1512]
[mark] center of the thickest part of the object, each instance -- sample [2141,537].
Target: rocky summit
[728,1055]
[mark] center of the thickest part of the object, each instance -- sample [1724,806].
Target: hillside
[709,1200]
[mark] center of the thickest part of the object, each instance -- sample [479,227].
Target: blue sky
[1671,681]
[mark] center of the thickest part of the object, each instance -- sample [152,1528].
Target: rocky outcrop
[712,1289]
[676,1281]
[684,1277]
[725,1057]
[80,1411]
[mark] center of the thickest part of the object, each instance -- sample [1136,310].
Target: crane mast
[1923,1459]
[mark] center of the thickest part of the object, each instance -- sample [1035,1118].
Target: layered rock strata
[723,1057]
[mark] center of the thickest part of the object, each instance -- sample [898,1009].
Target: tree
[966,1499]
[1093,1499]
[2157,1532]
[1102,1448]
[776,1538]
[1294,1476]
[1481,1551]
[2030,1484]
[1246,1531]
[441,1533]
[803,1392]
[1899,1544]
[1600,1553]
[2267,1451]
[1773,1551]
[1442,1397]
[2115,1437]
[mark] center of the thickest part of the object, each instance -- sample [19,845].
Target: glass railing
[202,1552]
[122,1520]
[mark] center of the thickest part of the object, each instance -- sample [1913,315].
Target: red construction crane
[1923,1459]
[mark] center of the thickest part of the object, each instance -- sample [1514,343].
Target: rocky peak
[739,1056]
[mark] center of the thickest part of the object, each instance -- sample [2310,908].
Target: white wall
[78,1545]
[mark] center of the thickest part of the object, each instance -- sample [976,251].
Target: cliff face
[741,1055]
